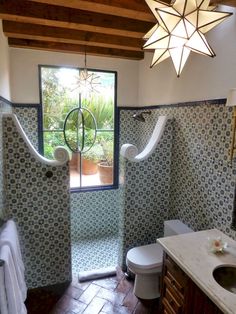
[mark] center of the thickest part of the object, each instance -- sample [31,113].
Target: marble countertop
[191,252]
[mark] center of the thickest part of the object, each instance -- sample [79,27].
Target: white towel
[15,302]
[97,273]
[9,236]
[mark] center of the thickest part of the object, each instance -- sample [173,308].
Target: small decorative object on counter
[217,245]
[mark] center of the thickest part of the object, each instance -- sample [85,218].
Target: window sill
[94,188]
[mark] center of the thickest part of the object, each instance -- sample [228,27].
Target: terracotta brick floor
[104,296]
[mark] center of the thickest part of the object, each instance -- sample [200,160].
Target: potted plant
[105,166]
[90,159]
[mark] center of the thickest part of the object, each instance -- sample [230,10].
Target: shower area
[106,224]
[101,231]
[94,230]
[101,228]
[80,115]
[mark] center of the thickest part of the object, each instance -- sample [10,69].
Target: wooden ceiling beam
[72,48]
[231,3]
[111,28]
[134,9]
[134,5]
[57,34]
[137,9]
[51,15]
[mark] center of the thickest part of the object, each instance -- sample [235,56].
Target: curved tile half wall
[37,198]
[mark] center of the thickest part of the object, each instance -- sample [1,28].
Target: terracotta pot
[89,167]
[74,161]
[105,173]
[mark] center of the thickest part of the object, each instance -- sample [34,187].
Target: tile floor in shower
[94,254]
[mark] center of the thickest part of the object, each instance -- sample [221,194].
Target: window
[84,121]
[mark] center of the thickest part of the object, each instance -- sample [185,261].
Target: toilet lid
[146,256]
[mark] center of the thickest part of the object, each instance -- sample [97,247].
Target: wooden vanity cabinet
[180,295]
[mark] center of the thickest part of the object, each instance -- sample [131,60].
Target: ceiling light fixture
[180,30]
[87,81]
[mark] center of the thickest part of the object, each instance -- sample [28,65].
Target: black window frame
[115,184]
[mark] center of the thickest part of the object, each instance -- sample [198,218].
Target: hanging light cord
[85,58]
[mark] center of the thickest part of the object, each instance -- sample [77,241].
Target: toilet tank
[174,227]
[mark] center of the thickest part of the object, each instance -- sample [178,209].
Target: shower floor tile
[94,254]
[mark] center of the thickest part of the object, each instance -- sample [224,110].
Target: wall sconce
[231,102]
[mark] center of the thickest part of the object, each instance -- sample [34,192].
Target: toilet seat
[145,257]
[145,262]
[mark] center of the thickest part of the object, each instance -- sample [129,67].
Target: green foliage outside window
[103,111]
[51,141]
[58,101]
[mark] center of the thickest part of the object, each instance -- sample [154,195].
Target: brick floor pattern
[113,295]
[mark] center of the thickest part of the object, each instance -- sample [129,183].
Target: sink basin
[225,276]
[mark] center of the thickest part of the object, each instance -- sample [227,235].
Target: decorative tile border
[221,101]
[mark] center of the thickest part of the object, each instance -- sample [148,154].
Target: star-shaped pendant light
[180,30]
[87,82]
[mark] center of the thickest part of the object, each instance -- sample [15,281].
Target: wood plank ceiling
[111,28]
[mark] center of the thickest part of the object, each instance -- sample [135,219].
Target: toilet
[146,262]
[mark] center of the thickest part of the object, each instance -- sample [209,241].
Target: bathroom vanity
[180,294]
[188,284]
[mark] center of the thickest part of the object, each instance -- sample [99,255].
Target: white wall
[4,66]
[24,73]
[202,77]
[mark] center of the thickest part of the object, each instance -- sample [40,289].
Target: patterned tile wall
[28,118]
[41,207]
[4,107]
[146,185]
[202,177]
[200,191]
[94,214]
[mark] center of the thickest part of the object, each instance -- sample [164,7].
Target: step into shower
[94,254]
